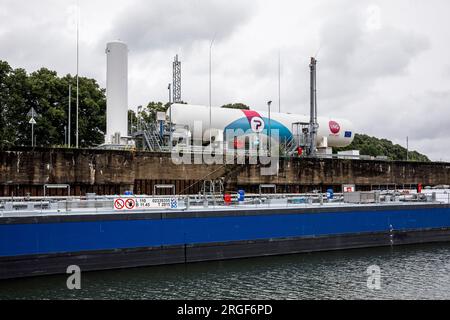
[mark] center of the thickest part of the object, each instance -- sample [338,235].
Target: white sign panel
[132,204]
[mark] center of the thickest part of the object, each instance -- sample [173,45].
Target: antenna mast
[176,80]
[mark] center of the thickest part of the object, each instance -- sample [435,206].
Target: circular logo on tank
[257,124]
[335,128]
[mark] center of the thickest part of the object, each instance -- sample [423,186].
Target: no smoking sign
[124,204]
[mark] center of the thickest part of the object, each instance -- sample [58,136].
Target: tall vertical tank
[116,92]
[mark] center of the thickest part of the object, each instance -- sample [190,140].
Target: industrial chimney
[116,93]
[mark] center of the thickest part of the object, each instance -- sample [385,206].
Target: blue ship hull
[44,245]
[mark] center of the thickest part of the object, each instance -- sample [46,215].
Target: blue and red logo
[257,124]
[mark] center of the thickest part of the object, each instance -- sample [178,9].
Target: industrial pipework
[313,123]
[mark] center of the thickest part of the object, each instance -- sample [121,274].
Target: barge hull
[44,245]
[41,265]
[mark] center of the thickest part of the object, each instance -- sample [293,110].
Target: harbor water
[408,272]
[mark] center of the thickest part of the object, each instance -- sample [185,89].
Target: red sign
[119,204]
[335,128]
[130,204]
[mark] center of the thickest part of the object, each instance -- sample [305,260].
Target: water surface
[408,272]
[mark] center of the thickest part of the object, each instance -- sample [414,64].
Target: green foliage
[48,94]
[372,146]
[239,106]
[148,114]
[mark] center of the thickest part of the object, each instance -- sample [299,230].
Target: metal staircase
[150,136]
[289,146]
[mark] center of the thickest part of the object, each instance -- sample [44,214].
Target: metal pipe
[279,82]
[170,117]
[270,129]
[210,89]
[78,62]
[407,148]
[70,114]
[32,134]
[313,111]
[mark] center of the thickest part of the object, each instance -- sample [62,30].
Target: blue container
[128,193]
[241,195]
[330,194]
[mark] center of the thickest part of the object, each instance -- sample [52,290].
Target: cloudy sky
[382,64]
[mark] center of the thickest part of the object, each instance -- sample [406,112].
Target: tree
[5,71]
[14,101]
[92,113]
[47,93]
[148,114]
[375,147]
[239,106]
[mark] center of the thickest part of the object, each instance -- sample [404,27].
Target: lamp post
[210,89]
[279,82]
[170,114]
[270,127]
[407,148]
[78,78]
[70,115]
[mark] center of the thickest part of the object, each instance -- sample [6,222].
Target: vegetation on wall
[375,147]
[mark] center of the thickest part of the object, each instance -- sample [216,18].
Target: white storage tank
[332,132]
[116,92]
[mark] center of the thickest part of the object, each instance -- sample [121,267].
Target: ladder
[151,137]
[213,190]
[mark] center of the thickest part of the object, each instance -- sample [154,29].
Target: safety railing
[106,204]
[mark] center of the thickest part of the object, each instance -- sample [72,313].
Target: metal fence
[105,204]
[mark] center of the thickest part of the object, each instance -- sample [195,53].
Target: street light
[78,77]
[170,114]
[210,88]
[70,114]
[407,148]
[270,127]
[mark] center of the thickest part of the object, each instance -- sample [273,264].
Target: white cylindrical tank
[116,91]
[332,132]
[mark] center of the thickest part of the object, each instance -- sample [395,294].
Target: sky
[382,64]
